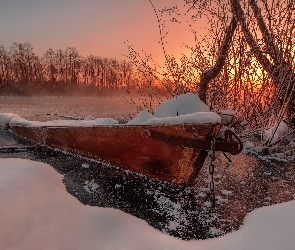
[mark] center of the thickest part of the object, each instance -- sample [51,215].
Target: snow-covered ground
[36,212]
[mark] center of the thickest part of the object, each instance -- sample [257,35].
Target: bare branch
[259,54]
[211,73]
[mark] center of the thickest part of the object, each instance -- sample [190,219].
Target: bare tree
[50,70]
[5,69]
[211,73]
[246,59]
[274,46]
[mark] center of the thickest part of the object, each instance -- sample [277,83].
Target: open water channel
[183,212]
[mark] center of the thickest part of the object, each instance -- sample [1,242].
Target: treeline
[61,72]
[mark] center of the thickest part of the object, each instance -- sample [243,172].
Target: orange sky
[98,27]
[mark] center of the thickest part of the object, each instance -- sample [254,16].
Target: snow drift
[181,105]
[36,212]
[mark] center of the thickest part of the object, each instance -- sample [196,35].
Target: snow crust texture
[5,118]
[276,131]
[36,212]
[64,123]
[145,118]
[181,105]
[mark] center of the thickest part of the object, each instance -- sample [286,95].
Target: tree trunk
[211,73]
[278,68]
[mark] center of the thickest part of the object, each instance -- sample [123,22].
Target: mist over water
[37,108]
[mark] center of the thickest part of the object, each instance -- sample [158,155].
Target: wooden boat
[174,153]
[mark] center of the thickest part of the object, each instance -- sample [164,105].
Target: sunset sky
[98,27]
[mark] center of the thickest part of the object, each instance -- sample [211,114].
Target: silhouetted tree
[5,69]
[60,72]
[50,70]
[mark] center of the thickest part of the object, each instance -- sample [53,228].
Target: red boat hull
[130,147]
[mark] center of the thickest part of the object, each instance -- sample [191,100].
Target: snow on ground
[181,105]
[145,118]
[276,131]
[68,123]
[5,118]
[36,212]
[227,116]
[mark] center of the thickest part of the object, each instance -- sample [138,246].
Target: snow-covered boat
[168,148]
[171,152]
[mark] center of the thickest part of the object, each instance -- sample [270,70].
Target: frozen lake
[240,187]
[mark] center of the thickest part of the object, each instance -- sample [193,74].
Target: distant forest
[62,72]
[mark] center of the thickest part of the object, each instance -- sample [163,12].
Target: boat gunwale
[115,125]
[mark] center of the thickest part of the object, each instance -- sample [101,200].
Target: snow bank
[227,116]
[89,118]
[196,118]
[181,105]
[145,118]
[190,103]
[278,131]
[88,122]
[5,118]
[183,109]
[247,147]
[36,212]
